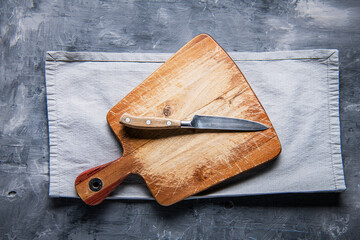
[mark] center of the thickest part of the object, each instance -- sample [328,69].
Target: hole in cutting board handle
[95,184]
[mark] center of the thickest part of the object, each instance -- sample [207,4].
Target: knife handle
[95,184]
[149,122]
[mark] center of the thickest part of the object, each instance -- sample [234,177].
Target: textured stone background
[30,28]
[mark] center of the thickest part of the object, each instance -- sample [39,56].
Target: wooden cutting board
[199,79]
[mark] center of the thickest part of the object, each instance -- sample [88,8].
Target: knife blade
[198,122]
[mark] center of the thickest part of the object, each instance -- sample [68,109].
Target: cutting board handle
[149,122]
[95,184]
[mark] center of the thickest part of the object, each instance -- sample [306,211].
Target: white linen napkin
[298,89]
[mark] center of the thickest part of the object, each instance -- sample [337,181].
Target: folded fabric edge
[334,120]
[214,195]
[52,123]
[162,57]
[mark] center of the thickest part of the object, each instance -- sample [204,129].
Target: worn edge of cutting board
[146,156]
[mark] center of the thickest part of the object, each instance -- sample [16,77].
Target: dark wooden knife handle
[95,184]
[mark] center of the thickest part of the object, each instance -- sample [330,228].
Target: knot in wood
[167,110]
[204,173]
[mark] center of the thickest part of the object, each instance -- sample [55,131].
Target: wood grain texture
[143,122]
[199,79]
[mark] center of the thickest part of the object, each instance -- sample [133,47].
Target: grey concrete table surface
[30,28]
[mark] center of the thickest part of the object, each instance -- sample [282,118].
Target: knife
[198,122]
